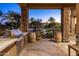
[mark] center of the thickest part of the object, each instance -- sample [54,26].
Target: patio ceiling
[47,5]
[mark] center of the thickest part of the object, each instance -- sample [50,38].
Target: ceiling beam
[22,5]
[47,5]
[50,5]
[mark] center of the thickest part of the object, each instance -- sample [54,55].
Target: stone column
[66,24]
[77,23]
[72,26]
[72,20]
[77,17]
[24,19]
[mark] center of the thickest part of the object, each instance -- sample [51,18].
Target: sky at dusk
[43,14]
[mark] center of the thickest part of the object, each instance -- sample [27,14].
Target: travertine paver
[44,47]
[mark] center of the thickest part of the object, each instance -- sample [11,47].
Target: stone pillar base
[65,40]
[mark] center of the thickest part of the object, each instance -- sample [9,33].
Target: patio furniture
[75,48]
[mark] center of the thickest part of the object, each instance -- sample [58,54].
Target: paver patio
[45,47]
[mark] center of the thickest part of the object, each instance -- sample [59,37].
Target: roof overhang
[47,5]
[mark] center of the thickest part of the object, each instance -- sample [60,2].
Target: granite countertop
[7,42]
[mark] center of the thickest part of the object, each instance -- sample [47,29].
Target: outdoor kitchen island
[12,46]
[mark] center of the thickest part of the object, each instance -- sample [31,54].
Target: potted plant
[57,34]
[36,26]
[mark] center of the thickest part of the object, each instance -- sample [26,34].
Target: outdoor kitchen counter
[6,43]
[12,46]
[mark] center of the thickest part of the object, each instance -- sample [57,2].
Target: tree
[32,19]
[50,27]
[14,19]
[58,27]
[51,20]
[2,28]
[36,24]
[12,15]
[1,13]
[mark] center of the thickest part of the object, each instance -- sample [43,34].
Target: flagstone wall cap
[5,43]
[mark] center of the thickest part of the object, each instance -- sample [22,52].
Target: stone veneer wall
[24,20]
[66,25]
[77,15]
[77,23]
[72,26]
[73,15]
